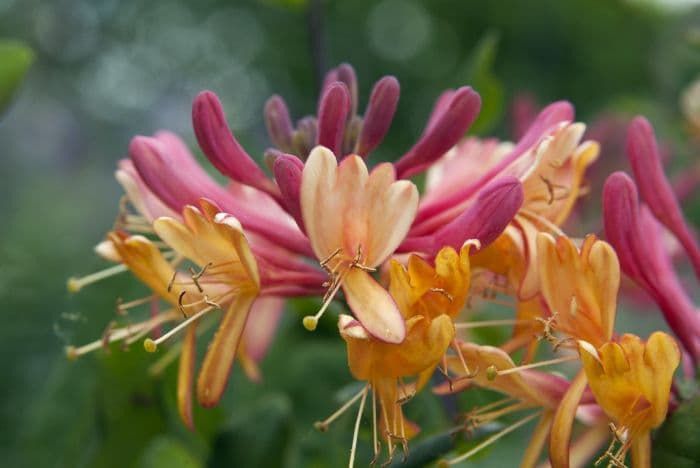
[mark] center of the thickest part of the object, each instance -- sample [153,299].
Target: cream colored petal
[392,209]
[374,307]
[319,204]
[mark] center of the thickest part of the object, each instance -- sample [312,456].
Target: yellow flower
[427,297]
[355,220]
[631,380]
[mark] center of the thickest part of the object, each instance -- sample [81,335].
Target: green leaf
[167,452]
[15,59]
[478,72]
[677,442]
[258,437]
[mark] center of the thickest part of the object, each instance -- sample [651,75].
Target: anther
[149,345]
[76,284]
[443,292]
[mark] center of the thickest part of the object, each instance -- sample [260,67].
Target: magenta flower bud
[655,189]
[636,237]
[484,220]
[305,136]
[172,179]
[288,169]
[333,111]
[220,146]
[278,123]
[379,114]
[448,128]
[346,74]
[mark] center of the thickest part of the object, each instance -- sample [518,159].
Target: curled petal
[560,435]
[185,376]
[218,361]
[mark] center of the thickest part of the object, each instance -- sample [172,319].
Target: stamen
[615,458]
[357,426]
[490,440]
[492,372]
[123,307]
[120,333]
[469,374]
[323,425]
[489,323]
[311,321]
[151,345]
[376,445]
[76,284]
[443,292]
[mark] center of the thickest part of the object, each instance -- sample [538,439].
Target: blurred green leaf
[248,441]
[677,443]
[167,452]
[478,72]
[15,59]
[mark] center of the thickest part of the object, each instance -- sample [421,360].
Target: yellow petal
[218,361]
[185,376]
[560,435]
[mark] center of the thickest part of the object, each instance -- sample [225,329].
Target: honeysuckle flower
[427,297]
[549,160]
[232,274]
[580,288]
[637,238]
[655,189]
[355,220]
[526,389]
[631,380]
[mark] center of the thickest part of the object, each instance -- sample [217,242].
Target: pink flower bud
[636,237]
[333,110]
[288,169]
[655,189]
[448,128]
[379,114]
[278,122]
[220,146]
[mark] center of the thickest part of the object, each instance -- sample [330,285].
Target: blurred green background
[106,70]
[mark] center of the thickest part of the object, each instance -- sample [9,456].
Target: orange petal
[218,361]
[373,307]
[560,435]
[185,375]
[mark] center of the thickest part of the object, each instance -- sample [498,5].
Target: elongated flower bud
[447,130]
[655,189]
[334,108]
[379,114]
[222,148]
[636,237]
[288,170]
[279,124]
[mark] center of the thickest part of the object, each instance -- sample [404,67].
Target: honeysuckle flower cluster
[411,267]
